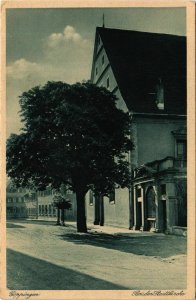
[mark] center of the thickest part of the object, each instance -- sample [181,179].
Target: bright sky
[57,44]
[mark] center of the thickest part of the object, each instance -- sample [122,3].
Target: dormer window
[160,95]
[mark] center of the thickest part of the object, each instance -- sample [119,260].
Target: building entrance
[150,209]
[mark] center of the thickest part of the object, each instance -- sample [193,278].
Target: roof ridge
[138,31]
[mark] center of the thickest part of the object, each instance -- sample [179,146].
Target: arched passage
[150,208]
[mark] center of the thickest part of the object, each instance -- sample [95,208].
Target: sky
[57,44]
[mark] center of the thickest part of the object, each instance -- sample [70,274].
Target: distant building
[20,202]
[46,207]
[147,72]
[25,203]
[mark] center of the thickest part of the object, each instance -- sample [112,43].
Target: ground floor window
[42,210]
[46,210]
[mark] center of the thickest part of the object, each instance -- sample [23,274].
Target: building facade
[47,208]
[25,203]
[20,202]
[147,73]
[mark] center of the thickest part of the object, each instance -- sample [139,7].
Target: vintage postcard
[97,150]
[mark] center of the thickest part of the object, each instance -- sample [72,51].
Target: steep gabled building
[147,72]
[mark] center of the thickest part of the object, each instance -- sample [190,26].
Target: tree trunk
[81,214]
[58,217]
[97,210]
[101,211]
[62,217]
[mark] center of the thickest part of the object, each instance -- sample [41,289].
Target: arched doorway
[151,208]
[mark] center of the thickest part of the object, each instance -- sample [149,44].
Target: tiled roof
[139,59]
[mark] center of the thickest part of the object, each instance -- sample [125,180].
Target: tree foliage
[61,202]
[72,135]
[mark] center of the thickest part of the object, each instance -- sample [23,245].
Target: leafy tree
[72,135]
[61,203]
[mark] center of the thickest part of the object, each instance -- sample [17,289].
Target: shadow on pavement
[37,222]
[153,245]
[11,225]
[25,272]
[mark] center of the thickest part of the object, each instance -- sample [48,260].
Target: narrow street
[43,256]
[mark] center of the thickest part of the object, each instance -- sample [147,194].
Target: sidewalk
[100,229]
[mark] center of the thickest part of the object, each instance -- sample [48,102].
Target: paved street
[41,255]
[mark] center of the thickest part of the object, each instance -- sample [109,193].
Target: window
[139,192]
[103,60]
[40,210]
[163,189]
[91,198]
[112,197]
[96,71]
[108,82]
[50,209]
[163,192]
[181,149]
[181,153]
